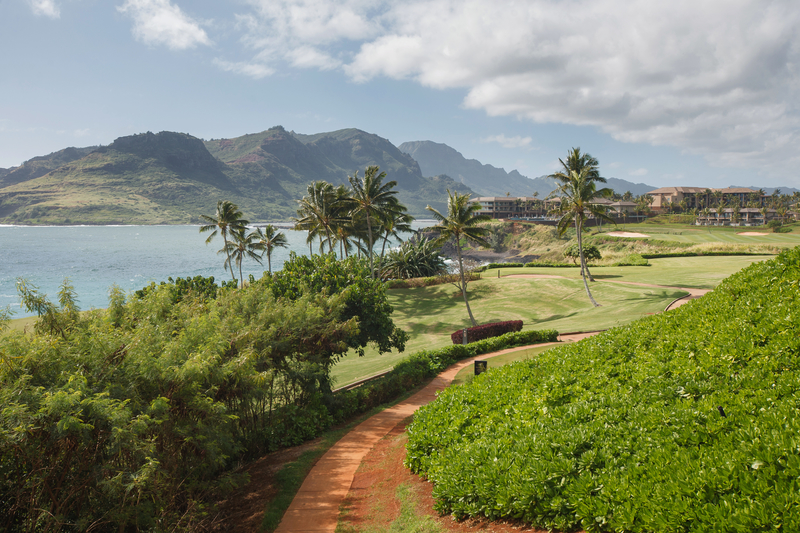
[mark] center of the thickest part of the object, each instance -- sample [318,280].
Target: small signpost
[481,367]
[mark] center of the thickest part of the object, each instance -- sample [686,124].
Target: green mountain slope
[173,178]
[486,180]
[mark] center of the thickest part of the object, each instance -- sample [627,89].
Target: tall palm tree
[577,189]
[374,199]
[318,212]
[461,222]
[391,226]
[225,221]
[270,239]
[240,247]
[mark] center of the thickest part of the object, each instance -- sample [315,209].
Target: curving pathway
[315,507]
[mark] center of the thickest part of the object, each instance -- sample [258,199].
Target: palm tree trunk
[464,285]
[269,260]
[241,276]
[369,232]
[227,252]
[583,261]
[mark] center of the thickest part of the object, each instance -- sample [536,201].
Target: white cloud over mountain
[713,77]
[159,22]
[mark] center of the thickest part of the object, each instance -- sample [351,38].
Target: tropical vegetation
[683,421]
[131,418]
[461,222]
[577,188]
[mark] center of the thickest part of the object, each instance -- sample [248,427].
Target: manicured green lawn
[711,234]
[495,362]
[695,272]
[431,314]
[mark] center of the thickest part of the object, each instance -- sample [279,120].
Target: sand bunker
[626,234]
[752,233]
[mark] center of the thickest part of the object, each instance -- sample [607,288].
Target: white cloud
[158,22]
[47,8]
[719,78]
[81,132]
[508,142]
[253,70]
[638,172]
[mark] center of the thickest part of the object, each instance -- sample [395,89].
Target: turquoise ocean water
[95,258]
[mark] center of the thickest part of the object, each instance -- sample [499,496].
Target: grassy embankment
[431,314]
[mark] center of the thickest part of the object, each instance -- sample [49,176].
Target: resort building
[699,197]
[747,216]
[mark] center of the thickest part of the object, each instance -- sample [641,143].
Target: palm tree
[577,189]
[318,212]
[240,247]
[461,222]
[395,223]
[227,219]
[374,199]
[270,239]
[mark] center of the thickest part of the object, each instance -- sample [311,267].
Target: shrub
[683,421]
[485,331]
[590,253]
[420,366]
[632,260]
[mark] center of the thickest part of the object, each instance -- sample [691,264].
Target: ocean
[95,258]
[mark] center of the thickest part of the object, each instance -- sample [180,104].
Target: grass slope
[431,314]
[684,421]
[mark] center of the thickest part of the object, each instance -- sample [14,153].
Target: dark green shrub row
[699,254]
[552,264]
[632,260]
[484,268]
[429,281]
[684,421]
[485,331]
[420,366]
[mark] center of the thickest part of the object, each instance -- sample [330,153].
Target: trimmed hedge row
[420,366]
[484,268]
[699,254]
[486,331]
[632,260]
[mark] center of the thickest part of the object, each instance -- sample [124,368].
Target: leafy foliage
[132,418]
[414,259]
[485,331]
[684,421]
[363,298]
[179,288]
[590,253]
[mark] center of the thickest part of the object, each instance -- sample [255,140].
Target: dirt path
[315,508]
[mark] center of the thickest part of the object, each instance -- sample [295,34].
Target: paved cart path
[315,508]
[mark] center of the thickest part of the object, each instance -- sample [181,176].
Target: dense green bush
[131,418]
[364,297]
[485,331]
[181,287]
[420,366]
[414,259]
[484,268]
[683,421]
[632,260]
[590,253]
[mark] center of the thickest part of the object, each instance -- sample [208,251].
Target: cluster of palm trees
[239,244]
[353,218]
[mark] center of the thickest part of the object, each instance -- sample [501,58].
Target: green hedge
[699,254]
[684,422]
[421,366]
[632,260]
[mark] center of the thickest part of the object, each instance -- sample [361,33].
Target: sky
[680,93]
